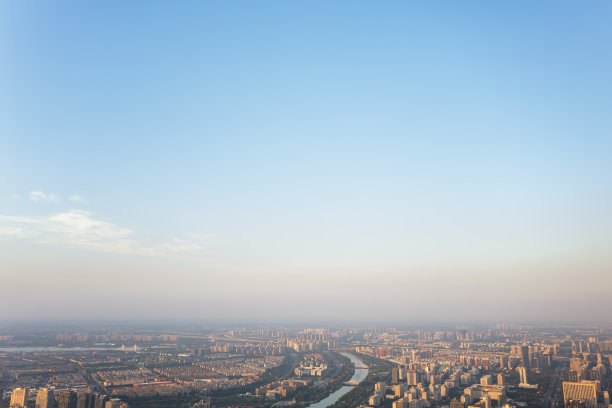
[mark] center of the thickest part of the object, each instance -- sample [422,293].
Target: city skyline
[236,366]
[306,161]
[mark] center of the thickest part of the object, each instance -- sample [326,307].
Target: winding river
[359,376]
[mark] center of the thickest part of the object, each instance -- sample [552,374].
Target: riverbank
[360,375]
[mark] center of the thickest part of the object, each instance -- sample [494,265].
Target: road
[555,384]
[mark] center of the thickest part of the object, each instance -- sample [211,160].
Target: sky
[306,160]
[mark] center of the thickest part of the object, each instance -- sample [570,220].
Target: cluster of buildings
[424,383]
[278,389]
[47,398]
[421,395]
[309,346]
[245,349]
[588,367]
[455,368]
[311,365]
[533,357]
[152,388]
[239,366]
[114,336]
[110,378]
[481,371]
[379,352]
[406,396]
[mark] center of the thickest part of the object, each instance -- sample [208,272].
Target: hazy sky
[311,160]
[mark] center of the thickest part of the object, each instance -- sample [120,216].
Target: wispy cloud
[37,196]
[81,229]
[12,230]
[75,198]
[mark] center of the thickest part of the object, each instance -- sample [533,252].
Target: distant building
[412,377]
[85,400]
[400,403]
[494,392]
[572,376]
[522,375]
[45,398]
[486,380]
[312,370]
[395,375]
[399,389]
[503,361]
[584,391]
[67,399]
[525,356]
[19,398]
[380,386]
[100,401]
[455,403]
[115,403]
[375,400]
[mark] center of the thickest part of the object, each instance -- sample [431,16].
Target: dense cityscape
[502,365]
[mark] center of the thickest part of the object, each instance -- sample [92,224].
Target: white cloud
[37,196]
[42,196]
[82,223]
[81,229]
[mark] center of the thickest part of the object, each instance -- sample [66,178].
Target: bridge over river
[361,372]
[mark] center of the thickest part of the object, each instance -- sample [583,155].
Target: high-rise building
[500,379]
[412,377]
[85,400]
[45,398]
[19,398]
[400,403]
[115,403]
[100,401]
[486,380]
[395,375]
[67,399]
[402,373]
[572,376]
[576,364]
[522,375]
[585,391]
[524,356]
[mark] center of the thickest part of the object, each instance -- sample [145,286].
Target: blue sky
[243,154]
